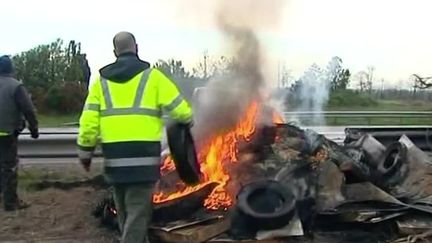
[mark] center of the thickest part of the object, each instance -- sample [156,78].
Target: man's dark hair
[6,66]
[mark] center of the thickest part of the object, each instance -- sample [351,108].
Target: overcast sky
[394,36]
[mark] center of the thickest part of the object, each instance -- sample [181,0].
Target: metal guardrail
[341,114]
[358,115]
[352,114]
[61,142]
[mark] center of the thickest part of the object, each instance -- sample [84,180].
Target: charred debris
[294,185]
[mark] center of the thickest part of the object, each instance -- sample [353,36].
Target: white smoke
[314,90]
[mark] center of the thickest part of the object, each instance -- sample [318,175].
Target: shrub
[350,98]
[65,98]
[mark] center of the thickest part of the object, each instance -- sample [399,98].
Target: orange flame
[222,149]
[167,166]
[277,118]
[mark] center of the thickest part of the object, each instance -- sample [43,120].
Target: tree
[48,64]
[360,76]
[286,77]
[366,79]
[173,68]
[338,77]
[422,82]
[213,66]
[370,78]
[74,70]
[53,74]
[41,66]
[344,79]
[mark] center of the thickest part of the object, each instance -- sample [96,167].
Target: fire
[221,149]
[277,118]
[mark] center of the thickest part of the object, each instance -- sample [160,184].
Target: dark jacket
[124,68]
[15,104]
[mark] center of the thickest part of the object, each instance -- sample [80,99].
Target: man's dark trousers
[8,170]
[134,204]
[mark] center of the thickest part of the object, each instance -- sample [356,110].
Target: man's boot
[20,204]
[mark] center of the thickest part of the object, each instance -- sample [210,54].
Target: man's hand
[34,133]
[85,158]
[86,163]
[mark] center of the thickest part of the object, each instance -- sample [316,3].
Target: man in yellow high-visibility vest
[123,109]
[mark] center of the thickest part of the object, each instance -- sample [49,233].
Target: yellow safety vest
[127,118]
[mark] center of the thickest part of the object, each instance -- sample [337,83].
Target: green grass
[56,120]
[378,121]
[384,105]
[388,105]
[29,176]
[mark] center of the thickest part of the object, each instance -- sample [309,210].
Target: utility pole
[205,63]
[278,75]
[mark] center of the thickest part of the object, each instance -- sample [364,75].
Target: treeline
[335,86]
[57,76]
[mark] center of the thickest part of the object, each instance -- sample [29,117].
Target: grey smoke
[226,98]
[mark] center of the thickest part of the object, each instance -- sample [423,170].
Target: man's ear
[115,53]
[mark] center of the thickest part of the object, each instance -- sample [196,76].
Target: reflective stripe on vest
[135,109]
[174,103]
[92,107]
[126,162]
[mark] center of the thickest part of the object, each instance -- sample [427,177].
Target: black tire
[109,215]
[392,160]
[266,204]
[182,148]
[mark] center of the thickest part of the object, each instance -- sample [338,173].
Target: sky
[392,35]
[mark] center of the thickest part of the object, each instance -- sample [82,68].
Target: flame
[167,166]
[277,118]
[221,149]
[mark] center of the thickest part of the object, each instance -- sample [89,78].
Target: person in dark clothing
[85,69]
[15,104]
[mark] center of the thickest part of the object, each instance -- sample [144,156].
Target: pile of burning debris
[273,180]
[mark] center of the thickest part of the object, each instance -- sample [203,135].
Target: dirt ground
[55,215]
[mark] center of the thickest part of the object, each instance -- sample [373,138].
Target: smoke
[314,89]
[226,98]
[314,92]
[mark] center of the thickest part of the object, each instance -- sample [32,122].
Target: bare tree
[422,82]
[211,66]
[370,78]
[366,79]
[286,77]
[361,77]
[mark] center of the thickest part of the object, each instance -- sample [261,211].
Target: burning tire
[183,152]
[266,205]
